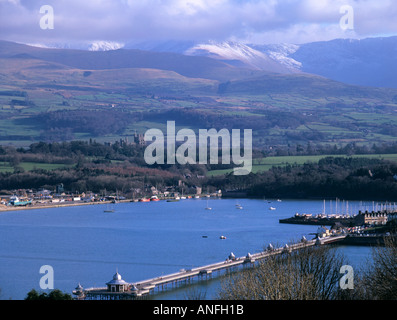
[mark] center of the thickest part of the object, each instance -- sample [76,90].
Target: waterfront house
[371,218]
[322,232]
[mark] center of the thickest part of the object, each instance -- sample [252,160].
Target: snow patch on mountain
[90,46]
[234,51]
[105,46]
[281,53]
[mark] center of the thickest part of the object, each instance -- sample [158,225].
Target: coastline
[4,208]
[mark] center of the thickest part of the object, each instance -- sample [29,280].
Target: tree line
[91,166]
[331,177]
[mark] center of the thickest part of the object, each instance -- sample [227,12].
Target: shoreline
[4,208]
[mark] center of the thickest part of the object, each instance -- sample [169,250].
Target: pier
[362,218]
[118,289]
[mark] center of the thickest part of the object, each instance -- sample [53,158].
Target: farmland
[265,164]
[29,166]
[53,96]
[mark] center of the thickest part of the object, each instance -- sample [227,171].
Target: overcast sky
[249,21]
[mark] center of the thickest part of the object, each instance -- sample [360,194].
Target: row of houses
[375,217]
[61,195]
[29,196]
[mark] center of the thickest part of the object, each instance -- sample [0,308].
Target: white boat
[207,207]
[272,208]
[222,237]
[238,206]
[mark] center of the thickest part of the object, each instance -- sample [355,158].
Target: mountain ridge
[76,92]
[189,66]
[241,78]
[367,62]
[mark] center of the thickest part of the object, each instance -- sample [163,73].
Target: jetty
[118,289]
[362,218]
[320,219]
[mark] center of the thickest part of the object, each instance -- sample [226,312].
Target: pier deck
[142,288]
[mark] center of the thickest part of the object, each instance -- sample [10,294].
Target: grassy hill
[265,164]
[189,66]
[52,94]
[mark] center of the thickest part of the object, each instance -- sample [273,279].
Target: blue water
[141,240]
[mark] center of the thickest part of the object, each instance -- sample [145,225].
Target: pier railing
[145,287]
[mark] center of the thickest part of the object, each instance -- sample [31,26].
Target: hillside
[62,94]
[189,66]
[308,85]
[366,62]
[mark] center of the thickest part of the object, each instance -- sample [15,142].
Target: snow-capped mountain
[90,46]
[240,54]
[368,62]
[281,53]
[105,46]
[234,53]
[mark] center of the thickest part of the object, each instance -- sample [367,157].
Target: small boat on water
[154,198]
[272,208]
[222,237]
[144,200]
[108,209]
[239,206]
[207,207]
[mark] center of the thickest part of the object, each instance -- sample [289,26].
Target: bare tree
[195,294]
[380,279]
[311,273]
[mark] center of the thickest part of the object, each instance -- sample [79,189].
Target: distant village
[29,197]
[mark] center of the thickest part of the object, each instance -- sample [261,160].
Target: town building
[371,218]
[117,284]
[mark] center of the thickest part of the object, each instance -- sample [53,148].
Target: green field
[264,164]
[281,110]
[29,166]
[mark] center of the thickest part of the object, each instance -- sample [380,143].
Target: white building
[117,284]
